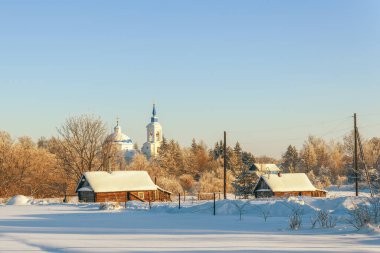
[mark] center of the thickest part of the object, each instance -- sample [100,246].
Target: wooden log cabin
[285,185]
[119,186]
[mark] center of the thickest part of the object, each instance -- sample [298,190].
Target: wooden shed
[119,186]
[286,184]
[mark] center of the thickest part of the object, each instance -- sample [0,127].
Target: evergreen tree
[291,159]
[237,149]
[247,158]
[244,183]
[217,152]
[194,146]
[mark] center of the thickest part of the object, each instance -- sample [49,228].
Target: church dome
[123,140]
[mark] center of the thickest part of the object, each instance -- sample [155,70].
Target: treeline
[52,167]
[331,162]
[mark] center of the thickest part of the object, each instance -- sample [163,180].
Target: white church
[124,143]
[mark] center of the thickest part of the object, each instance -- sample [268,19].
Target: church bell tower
[154,136]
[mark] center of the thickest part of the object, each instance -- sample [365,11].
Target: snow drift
[19,200]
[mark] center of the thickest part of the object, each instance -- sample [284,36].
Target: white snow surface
[54,227]
[265,167]
[102,181]
[19,200]
[287,182]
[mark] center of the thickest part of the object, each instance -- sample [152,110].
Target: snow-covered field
[52,227]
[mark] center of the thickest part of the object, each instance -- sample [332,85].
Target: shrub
[324,219]
[295,219]
[170,184]
[109,206]
[374,209]
[359,216]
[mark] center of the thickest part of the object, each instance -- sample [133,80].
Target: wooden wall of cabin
[110,197]
[286,194]
[129,196]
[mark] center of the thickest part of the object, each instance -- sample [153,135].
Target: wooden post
[125,200]
[356,157]
[225,166]
[179,200]
[214,205]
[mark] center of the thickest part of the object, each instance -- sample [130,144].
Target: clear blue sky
[268,72]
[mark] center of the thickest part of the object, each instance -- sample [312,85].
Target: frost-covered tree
[186,181]
[308,157]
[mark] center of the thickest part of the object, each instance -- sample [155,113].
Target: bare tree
[80,145]
[240,206]
[265,211]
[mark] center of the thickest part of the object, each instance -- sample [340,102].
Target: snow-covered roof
[288,182]
[264,167]
[116,181]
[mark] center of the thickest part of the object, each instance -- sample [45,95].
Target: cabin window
[141,195]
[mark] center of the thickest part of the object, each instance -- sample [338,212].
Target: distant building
[286,184]
[154,136]
[119,186]
[264,168]
[122,143]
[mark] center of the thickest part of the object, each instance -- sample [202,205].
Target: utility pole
[225,165]
[356,157]
[214,204]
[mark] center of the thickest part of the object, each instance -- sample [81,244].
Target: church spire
[154,114]
[154,110]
